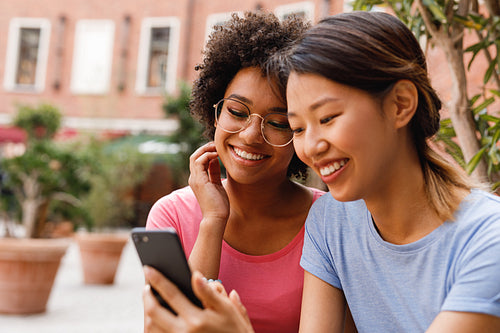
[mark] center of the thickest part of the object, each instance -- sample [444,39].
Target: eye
[326,120]
[277,121]
[297,131]
[237,113]
[278,125]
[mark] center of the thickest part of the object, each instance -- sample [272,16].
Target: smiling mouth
[331,168]
[248,156]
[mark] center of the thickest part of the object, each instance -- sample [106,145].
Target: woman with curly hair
[404,238]
[246,230]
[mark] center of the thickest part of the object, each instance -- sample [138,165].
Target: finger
[214,171]
[201,163]
[199,167]
[218,287]
[206,148]
[234,297]
[168,291]
[155,315]
[209,147]
[209,297]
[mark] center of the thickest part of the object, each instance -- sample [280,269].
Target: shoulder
[479,209]
[327,213]
[477,229]
[174,207]
[183,196]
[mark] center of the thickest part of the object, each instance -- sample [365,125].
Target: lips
[332,167]
[247,155]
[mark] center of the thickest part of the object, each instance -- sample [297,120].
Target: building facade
[107,64]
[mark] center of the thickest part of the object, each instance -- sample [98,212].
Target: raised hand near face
[205,180]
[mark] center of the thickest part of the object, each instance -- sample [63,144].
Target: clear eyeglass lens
[233,117]
[276,129]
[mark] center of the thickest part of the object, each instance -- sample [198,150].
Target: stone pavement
[74,307]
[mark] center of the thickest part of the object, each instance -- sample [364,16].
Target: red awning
[12,134]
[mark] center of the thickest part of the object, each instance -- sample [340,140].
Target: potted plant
[44,173]
[110,206]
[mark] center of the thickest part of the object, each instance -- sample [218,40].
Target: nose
[315,144]
[252,133]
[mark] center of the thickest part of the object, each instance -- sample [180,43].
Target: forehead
[305,90]
[251,84]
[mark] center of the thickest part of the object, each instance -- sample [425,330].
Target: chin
[340,196]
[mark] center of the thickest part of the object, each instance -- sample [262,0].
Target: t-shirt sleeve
[165,212]
[476,286]
[316,257]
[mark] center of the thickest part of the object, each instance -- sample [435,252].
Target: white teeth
[248,156]
[328,170]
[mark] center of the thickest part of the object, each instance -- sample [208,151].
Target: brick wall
[122,101]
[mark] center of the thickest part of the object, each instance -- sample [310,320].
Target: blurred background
[95,127]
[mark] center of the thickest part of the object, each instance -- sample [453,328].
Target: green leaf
[472,164]
[489,72]
[483,106]
[495,92]
[436,10]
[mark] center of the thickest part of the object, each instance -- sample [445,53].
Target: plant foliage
[189,134]
[446,21]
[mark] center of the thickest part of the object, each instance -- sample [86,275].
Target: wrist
[213,225]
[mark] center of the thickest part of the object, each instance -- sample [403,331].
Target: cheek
[288,153]
[219,138]
[298,144]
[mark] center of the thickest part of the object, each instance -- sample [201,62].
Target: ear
[403,100]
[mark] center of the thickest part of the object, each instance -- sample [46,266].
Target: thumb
[209,297]
[235,299]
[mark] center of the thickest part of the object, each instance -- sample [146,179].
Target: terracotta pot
[100,255]
[28,268]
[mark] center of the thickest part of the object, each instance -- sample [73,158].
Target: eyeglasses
[233,116]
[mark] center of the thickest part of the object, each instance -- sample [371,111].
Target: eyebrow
[245,100]
[316,105]
[241,98]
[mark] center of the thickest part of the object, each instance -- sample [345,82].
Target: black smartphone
[162,250]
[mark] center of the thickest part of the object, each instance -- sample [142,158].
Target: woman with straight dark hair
[407,240]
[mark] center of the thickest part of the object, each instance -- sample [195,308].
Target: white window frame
[143,58]
[348,8]
[103,80]
[12,57]
[306,6]
[217,18]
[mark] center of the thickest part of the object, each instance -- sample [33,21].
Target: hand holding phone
[162,250]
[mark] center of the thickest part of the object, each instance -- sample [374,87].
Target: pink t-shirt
[270,286]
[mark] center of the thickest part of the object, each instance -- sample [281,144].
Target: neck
[252,199]
[400,207]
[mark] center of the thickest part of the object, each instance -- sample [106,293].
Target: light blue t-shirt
[402,288]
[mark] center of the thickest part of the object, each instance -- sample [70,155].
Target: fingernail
[200,279]
[235,294]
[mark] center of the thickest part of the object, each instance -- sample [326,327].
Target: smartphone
[162,250]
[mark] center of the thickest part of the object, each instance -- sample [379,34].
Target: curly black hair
[241,42]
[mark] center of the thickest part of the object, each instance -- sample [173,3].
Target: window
[217,19]
[27,52]
[92,57]
[376,8]
[157,61]
[303,9]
